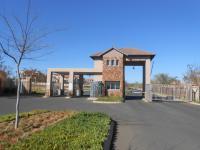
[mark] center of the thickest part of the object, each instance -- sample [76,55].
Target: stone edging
[108,141]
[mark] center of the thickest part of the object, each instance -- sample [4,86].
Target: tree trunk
[18,99]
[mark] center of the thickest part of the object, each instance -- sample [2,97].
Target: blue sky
[169,28]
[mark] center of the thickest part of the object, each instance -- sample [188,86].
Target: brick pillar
[26,85]
[148,96]
[62,84]
[71,84]
[81,84]
[143,80]
[49,84]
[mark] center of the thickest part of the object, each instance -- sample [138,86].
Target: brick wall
[114,73]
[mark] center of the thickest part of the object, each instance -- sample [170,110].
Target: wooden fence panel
[182,92]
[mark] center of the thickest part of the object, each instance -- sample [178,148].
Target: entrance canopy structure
[108,68]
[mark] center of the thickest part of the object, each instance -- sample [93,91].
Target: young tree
[20,42]
[192,75]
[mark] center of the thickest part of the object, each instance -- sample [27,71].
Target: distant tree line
[35,75]
[164,78]
[7,84]
[191,76]
[8,80]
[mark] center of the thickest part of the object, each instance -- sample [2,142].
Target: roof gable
[126,52]
[107,51]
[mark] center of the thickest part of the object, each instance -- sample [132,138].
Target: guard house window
[112,85]
[116,62]
[112,62]
[107,62]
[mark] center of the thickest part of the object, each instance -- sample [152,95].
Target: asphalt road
[140,125]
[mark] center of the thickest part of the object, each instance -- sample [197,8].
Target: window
[117,62]
[112,85]
[107,85]
[107,62]
[118,85]
[112,62]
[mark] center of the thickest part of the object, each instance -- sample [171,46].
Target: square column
[143,80]
[81,84]
[148,71]
[49,84]
[147,77]
[71,84]
[62,84]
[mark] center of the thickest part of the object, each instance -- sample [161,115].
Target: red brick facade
[114,73]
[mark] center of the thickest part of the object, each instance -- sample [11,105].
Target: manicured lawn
[76,131]
[110,99]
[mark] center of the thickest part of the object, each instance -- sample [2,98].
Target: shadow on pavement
[114,136]
[134,98]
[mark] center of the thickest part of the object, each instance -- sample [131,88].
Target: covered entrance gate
[145,63]
[68,82]
[108,68]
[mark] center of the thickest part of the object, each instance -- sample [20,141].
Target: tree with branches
[192,75]
[163,78]
[20,42]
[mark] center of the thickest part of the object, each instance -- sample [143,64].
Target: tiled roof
[134,51]
[97,54]
[127,52]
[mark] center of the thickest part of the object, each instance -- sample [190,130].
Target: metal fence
[96,89]
[176,92]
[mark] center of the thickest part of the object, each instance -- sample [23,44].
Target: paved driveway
[141,126]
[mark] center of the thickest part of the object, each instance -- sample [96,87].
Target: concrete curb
[173,101]
[68,97]
[108,141]
[92,98]
[102,102]
[193,103]
[144,100]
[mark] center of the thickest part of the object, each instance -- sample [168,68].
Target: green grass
[110,99]
[10,117]
[81,131]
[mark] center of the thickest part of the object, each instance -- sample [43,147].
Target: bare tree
[164,78]
[35,74]
[20,42]
[192,75]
